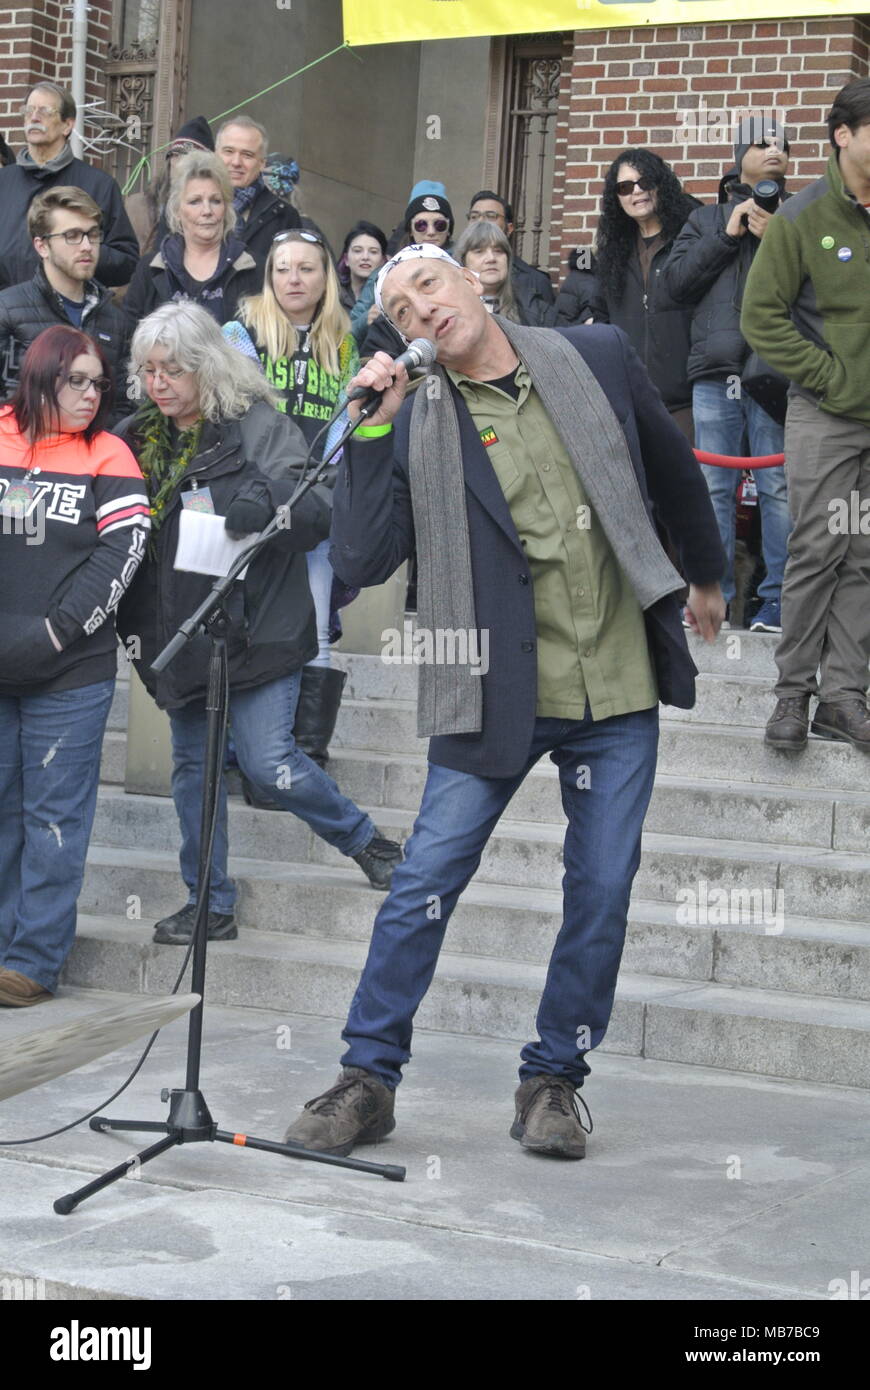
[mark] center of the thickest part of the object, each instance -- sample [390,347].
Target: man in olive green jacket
[806,311]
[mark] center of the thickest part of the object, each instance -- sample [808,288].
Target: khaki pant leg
[824,463]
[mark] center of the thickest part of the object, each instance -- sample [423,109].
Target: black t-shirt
[508,384]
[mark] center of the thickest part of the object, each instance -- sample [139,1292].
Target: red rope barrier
[729,461]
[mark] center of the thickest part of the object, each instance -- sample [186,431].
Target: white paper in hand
[203,544]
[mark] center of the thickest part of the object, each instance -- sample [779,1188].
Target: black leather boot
[317,711]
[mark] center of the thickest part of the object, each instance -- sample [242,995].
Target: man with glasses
[48,116]
[491,207]
[64,225]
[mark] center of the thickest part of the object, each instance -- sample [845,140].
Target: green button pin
[827,242]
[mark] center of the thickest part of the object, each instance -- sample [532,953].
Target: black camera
[765,195]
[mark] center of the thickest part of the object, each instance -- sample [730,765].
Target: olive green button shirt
[591,634]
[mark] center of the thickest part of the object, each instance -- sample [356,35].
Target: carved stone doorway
[146,76]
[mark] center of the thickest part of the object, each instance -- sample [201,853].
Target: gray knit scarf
[450,696]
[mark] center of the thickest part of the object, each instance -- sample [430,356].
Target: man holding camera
[806,313]
[708,268]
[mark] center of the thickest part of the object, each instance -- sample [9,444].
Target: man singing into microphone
[523,472]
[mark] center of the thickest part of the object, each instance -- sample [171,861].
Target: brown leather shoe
[547,1119]
[787,726]
[358,1109]
[18,992]
[848,722]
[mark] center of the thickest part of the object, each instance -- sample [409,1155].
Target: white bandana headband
[409,253]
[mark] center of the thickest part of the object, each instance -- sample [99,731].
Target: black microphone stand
[189,1120]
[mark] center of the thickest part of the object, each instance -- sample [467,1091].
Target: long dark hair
[361,228]
[617,232]
[48,360]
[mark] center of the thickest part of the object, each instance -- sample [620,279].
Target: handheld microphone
[420,353]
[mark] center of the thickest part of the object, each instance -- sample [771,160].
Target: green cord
[145,161]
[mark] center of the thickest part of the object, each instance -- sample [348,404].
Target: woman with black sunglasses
[74,518]
[643,208]
[298,331]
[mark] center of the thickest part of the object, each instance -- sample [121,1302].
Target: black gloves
[248,513]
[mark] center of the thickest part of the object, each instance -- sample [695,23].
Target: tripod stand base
[190,1122]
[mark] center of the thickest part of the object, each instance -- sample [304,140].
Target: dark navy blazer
[373,532]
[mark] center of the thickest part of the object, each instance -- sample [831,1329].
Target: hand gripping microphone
[420,353]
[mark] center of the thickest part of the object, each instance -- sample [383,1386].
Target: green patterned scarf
[162,463]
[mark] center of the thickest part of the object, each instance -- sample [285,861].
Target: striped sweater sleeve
[123,520]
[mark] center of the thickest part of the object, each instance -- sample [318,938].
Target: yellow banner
[396,21]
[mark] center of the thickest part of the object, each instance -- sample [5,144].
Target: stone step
[731,753]
[733,654]
[713,808]
[714,752]
[677,1020]
[768,814]
[815,882]
[519,924]
[388,726]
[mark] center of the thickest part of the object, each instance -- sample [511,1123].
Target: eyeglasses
[80,381]
[626,186]
[40,112]
[438,224]
[488,216]
[168,373]
[75,236]
[298,236]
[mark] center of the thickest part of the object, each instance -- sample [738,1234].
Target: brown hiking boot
[17,991]
[358,1109]
[547,1119]
[848,722]
[787,726]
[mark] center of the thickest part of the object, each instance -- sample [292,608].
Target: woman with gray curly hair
[200,259]
[208,437]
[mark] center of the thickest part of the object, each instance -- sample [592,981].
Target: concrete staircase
[787,997]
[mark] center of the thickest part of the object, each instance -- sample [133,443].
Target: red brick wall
[624,87]
[36,42]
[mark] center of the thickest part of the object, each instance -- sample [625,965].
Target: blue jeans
[742,428]
[49,773]
[262,720]
[320,583]
[458,813]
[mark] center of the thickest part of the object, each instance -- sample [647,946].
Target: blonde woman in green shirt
[298,331]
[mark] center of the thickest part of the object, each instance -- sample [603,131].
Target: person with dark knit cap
[428,220]
[708,268]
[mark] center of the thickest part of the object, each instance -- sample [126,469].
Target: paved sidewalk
[698,1185]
